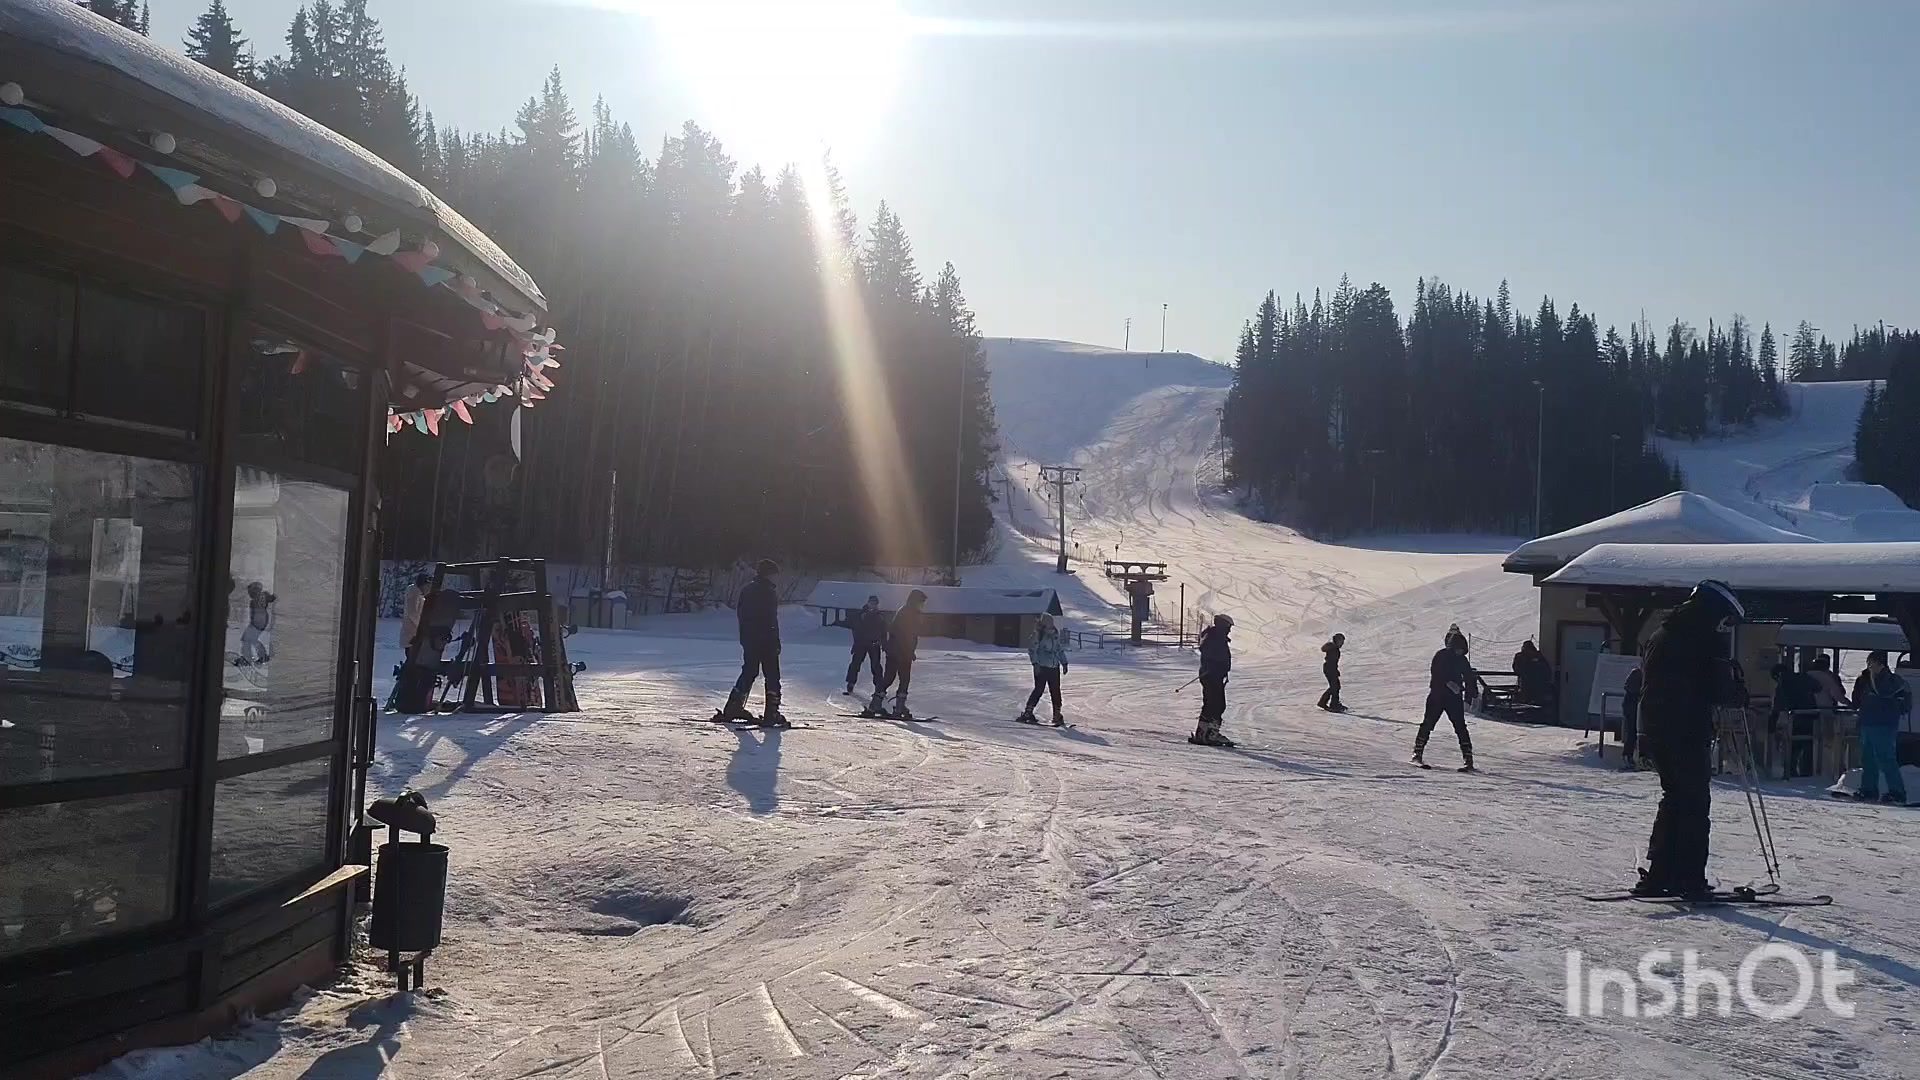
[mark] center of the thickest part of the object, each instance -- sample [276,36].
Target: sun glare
[783,79]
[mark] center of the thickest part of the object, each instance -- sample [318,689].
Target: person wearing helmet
[1330,698]
[1216,662]
[759,611]
[1687,674]
[869,628]
[1450,677]
[903,643]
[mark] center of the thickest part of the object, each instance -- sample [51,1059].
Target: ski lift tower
[1138,579]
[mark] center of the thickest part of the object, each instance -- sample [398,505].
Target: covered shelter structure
[1796,586]
[1005,617]
[213,312]
[1573,632]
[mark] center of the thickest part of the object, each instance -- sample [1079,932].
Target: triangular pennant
[173,178]
[387,244]
[348,250]
[299,363]
[228,208]
[312,225]
[317,244]
[393,423]
[268,223]
[413,261]
[22,119]
[460,410]
[188,194]
[420,423]
[116,161]
[74,141]
[435,275]
[433,421]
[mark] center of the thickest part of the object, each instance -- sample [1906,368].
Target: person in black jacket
[903,643]
[1449,677]
[1687,675]
[1330,699]
[1216,663]
[759,611]
[869,637]
[1630,718]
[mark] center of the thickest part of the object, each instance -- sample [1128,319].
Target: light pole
[959,453]
[1163,328]
[1613,470]
[1126,343]
[1373,513]
[1539,454]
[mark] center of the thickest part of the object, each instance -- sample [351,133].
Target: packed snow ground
[635,895]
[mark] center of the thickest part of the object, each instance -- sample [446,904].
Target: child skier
[1450,676]
[1216,662]
[1330,700]
[903,643]
[1049,656]
[759,611]
[869,635]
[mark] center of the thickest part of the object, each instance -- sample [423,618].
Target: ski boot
[848,692]
[1027,717]
[900,710]
[1468,767]
[1420,757]
[773,718]
[1058,720]
[733,710]
[876,707]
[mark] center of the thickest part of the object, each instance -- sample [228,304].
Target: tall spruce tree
[134,16]
[213,41]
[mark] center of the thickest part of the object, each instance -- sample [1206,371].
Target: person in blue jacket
[1049,655]
[1883,699]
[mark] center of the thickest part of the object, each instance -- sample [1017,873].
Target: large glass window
[268,825]
[283,613]
[89,352]
[79,870]
[96,622]
[296,404]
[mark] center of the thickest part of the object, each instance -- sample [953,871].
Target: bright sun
[782,79]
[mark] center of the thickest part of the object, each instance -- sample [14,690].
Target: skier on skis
[1687,675]
[1450,675]
[759,611]
[903,643]
[1216,662]
[869,636]
[1330,700]
[1049,655]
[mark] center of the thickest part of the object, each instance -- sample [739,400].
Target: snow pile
[1683,517]
[1847,499]
[1834,568]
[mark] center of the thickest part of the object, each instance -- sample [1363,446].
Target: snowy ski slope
[637,896]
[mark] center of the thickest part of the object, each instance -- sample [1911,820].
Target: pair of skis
[1745,896]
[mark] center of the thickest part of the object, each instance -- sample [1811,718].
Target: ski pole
[1186,684]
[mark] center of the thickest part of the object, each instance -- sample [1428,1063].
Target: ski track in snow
[632,896]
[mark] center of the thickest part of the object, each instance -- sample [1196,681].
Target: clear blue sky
[1082,162]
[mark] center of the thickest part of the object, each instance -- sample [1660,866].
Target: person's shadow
[373,1054]
[754,769]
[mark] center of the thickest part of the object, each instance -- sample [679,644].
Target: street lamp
[1163,328]
[1613,467]
[1539,454]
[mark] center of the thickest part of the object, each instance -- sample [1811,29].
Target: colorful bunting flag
[228,208]
[22,119]
[75,141]
[317,243]
[269,223]
[460,410]
[386,245]
[173,178]
[116,161]
[348,250]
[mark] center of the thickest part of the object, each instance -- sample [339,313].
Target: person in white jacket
[1049,655]
[412,605]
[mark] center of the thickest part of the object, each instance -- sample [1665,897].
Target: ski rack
[493,607]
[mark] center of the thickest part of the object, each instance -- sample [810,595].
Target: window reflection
[80,870]
[96,634]
[283,613]
[268,826]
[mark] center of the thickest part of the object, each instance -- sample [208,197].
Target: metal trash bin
[409,886]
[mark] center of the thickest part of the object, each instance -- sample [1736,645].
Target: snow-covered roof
[1815,568]
[941,599]
[1683,517]
[107,68]
[1857,636]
